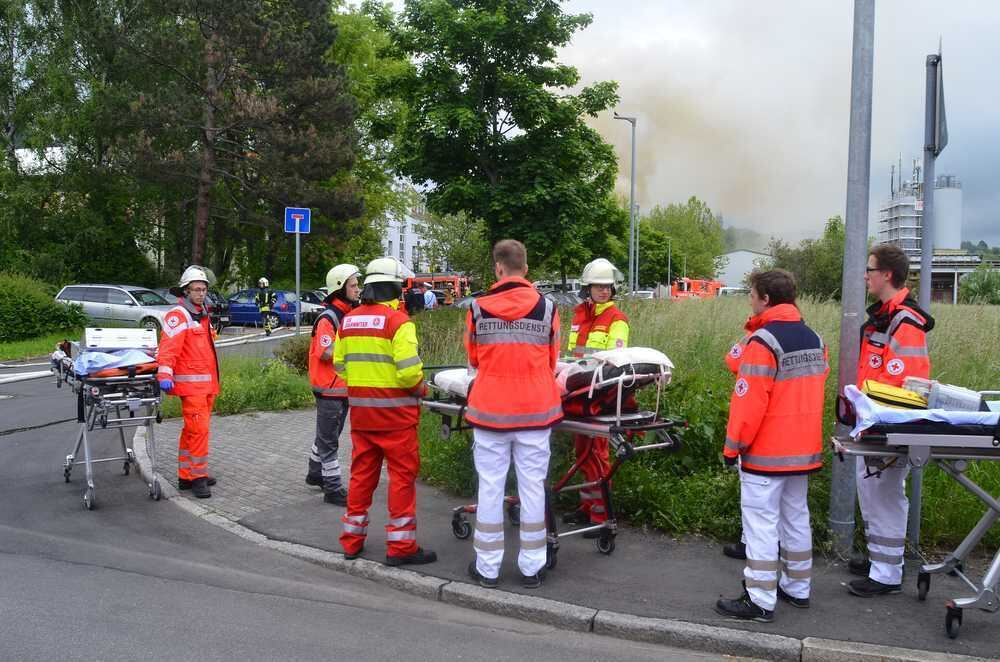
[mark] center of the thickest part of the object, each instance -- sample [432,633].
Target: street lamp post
[669,255]
[631,208]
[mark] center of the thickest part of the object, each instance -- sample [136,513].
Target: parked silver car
[117,305]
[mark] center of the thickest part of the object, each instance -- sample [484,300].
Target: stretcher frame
[952,453]
[621,429]
[113,403]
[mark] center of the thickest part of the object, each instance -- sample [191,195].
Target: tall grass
[690,491]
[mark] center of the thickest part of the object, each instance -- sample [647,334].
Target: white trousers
[884,508]
[492,452]
[776,511]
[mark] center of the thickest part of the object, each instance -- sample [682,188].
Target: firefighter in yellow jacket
[376,354]
[597,325]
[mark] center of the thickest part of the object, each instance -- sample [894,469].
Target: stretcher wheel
[953,622]
[460,527]
[66,472]
[923,585]
[605,543]
[551,557]
[514,514]
[126,467]
[88,499]
[159,417]
[154,490]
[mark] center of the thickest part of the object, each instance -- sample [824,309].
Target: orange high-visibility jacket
[597,327]
[326,383]
[512,339]
[187,352]
[776,410]
[894,341]
[735,353]
[376,354]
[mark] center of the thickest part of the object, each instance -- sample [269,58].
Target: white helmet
[190,275]
[600,272]
[263,282]
[387,270]
[337,277]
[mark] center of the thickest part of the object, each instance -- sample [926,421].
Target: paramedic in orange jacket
[597,325]
[775,430]
[376,354]
[189,369]
[328,388]
[893,347]
[512,341]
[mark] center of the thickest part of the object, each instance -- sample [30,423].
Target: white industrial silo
[948,212]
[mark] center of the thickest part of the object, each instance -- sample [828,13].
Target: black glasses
[871,269]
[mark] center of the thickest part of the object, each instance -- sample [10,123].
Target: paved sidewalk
[260,462]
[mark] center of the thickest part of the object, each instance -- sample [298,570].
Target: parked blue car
[243,310]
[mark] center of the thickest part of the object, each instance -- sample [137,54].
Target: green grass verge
[252,384]
[17,350]
[690,491]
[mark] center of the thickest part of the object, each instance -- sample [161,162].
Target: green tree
[460,242]
[982,286]
[816,263]
[491,127]
[696,235]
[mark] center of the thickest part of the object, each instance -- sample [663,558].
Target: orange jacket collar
[783,312]
[510,279]
[896,300]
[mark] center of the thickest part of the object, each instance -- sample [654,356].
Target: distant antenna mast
[892,180]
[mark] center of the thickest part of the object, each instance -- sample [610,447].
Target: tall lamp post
[631,208]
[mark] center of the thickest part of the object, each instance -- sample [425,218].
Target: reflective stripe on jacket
[187,352]
[325,381]
[597,327]
[376,353]
[776,410]
[512,340]
[894,341]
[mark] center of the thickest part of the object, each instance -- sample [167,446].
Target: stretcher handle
[645,427]
[444,367]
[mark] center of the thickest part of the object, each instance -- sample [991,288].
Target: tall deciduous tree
[696,235]
[491,126]
[816,263]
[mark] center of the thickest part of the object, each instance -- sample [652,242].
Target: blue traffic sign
[297,219]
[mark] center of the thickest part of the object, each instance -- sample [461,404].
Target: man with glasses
[893,347]
[189,369]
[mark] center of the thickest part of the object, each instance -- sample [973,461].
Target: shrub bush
[294,351]
[28,309]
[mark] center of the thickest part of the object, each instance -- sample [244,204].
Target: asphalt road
[135,579]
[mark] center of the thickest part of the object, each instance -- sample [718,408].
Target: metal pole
[631,208]
[926,264]
[843,481]
[633,264]
[638,226]
[298,295]
[669,255]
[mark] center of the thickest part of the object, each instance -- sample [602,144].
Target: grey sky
[745,104]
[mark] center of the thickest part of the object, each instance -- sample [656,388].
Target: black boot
[337,497]
[744,608]
[419,557]
[315,480]
[735,550]
[199,487]
[185,484]
[869,588]
[576,517]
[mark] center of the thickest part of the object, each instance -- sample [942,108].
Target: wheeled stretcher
[111,398]
[598,401]
[952,447]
